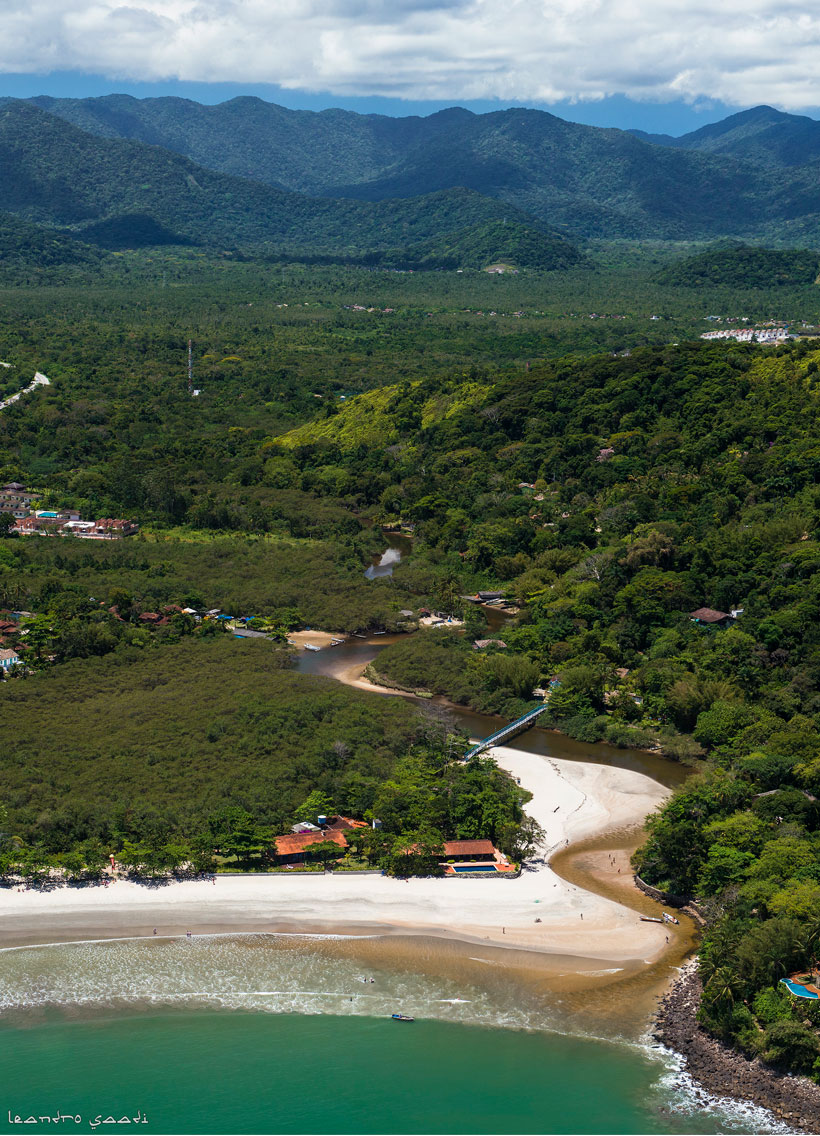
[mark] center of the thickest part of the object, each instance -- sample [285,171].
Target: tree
[323,851]
[315,805]
[791,1045]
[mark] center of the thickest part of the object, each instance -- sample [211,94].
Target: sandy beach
[320,639]
[537,912]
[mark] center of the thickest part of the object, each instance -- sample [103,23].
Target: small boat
[312,647]
[402,1018]
[667,918]
[650,919]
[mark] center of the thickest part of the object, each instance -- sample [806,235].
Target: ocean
[286,1034]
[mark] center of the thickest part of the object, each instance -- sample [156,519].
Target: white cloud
[741,52]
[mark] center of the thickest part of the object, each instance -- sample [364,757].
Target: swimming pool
[474,867]
[796,988]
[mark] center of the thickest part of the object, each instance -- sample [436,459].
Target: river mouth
[625,994]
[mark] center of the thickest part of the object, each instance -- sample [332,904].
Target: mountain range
[120,171]
[762,135]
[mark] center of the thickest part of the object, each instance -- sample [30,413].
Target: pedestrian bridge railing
[511,730]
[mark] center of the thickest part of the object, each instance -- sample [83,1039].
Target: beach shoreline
[539,912]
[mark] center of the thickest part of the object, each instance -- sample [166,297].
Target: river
[233,1033]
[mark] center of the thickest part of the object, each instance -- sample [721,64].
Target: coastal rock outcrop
[725,1072]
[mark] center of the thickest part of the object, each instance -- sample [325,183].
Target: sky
[659,65]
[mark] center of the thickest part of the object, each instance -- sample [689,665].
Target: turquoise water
[266,1073]
[796,988]
[286,1034]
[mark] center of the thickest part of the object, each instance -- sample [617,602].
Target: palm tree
[724,985]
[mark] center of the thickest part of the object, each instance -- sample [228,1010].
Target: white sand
[570,800]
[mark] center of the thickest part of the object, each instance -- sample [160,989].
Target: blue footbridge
[511,730]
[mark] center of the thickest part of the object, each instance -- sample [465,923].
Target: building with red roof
[470,850]
[295,846]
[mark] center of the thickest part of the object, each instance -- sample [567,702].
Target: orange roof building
[292,848]
[470,850]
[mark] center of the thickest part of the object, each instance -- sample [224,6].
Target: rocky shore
[724,1072]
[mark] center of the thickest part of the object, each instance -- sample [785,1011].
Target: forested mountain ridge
[55,174]
[762,135]
[587,180]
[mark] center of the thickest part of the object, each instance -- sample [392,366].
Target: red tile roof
[294,843]
[469,848]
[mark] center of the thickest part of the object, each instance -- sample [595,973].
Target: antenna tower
[190,368]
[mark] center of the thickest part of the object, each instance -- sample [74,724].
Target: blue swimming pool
[796,988]
[473,867]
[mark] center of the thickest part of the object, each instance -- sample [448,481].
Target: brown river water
[624,1001]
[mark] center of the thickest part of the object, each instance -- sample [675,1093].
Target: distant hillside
[762,135]
[290,149]
[53,173]
[586,181]
[744,267]
[383,417]
[23,244]
[520,246]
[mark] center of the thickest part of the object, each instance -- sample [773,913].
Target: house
[110,528]
[16,499]
[36,526]
[485,596]
[295,847]
[707,616]
[470,850]
[481,644]
[9,659]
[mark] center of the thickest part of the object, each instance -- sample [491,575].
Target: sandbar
[315,638]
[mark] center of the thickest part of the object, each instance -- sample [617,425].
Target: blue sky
[659,65]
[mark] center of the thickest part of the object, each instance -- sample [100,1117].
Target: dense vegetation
[128,194]
[754,176]
[322,580]
[216,744]
[761,135]
[610,494]
[612,497]
[744,267]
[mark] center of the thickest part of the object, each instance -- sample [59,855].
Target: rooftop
[708,615]
[294,843]
[469,848]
